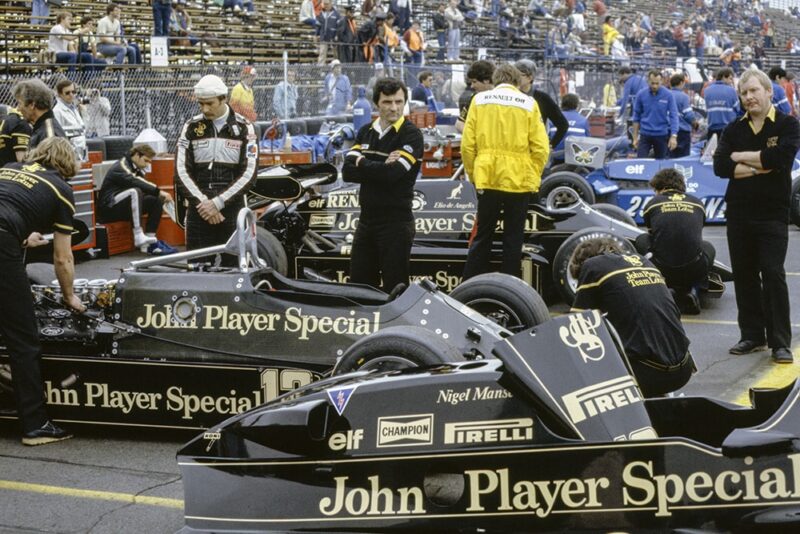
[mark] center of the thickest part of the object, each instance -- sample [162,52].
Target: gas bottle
[362,110]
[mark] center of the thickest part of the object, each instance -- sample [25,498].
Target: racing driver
[216,162]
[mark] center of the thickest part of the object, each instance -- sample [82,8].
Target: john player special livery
[552,435]
[181,344]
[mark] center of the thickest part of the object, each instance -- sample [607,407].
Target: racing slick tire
[561,167]
[794,203]
[615,212]
[397,347]
[570,179]
[271,250]
[505,299]
[563,280]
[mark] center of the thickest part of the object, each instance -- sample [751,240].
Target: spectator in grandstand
[504,148]
[402,13]
[732,57]
[239,7]
[699,42]
[389,41]
[216,162]
[631,291]
[455,19]
[631,85]
[686,119]
[112,43]
[336,90]
[180,28]
[415,42]
[768,32]
[791,92]
[440,26]
[578,125]
[87,43]
[35,103]
[479,75]
[284,99]
[40,12]
[97,115]
[67,112]
[655,119]
[347,37]
[242,98]
[777,76]
[327,22]
[385,159]
[62,42]
[548,109]
[307,15]
[15,132]
[162,11]
[126,195]
[722,102]
[664,36]
[424,92]
[610,34]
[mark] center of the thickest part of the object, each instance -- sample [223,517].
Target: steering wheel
[562,198]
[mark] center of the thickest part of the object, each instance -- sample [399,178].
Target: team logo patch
[339,397]
[252,150]
[677,197]
[408,149]
[772,142]
[584,156]
[200,129]
[234,144]
[636,261]
[581,334]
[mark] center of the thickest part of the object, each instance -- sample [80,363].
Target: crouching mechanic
[215,165]
[675,220]
[125,195]
[34,197]
[385,160]
[632,292]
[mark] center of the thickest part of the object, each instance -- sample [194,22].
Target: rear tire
[397,347]
[505,299]
[271,250]
[570,179]
[563,280]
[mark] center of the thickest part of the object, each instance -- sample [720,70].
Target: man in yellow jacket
[504,148]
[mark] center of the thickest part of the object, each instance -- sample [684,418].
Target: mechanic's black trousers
[20,333]
[382,248]
[758,252]
[514,208]
[201,234]
[150,205]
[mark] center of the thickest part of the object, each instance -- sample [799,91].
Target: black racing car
[308,234]
[176,342]
[551,435]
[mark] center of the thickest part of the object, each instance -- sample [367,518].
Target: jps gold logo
[772,142]
[581,334]
[636,261]
[677,197]
[200,129]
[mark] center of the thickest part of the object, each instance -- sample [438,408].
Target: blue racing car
[624,182]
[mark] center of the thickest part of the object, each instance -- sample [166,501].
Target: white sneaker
[141,240]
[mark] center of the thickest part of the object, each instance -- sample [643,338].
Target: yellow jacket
[609,34]
[504,145]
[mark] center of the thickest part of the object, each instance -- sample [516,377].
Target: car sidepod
[470,448]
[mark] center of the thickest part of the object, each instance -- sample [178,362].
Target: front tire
[397,347]
[569,179]
[503,298]
[563,280]
[271,250]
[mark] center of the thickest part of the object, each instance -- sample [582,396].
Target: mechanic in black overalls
[216,162]
[385,160]
[34,197]
[632,292]
[35,103]
[15,132]
[756,154]
[675,220]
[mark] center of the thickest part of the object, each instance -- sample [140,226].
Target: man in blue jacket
[631,85]
[779,99]
[722,102]
[686,118]
[578,124]
[655,119]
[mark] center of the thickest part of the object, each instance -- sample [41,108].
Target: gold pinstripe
[679,202]
[619,271]
[408,156]
[51,186]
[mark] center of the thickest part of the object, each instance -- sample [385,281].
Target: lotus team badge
[581,334]
[634,260]
[340,397]
[584,156]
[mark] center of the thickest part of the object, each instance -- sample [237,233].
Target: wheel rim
[497,312]
[388,363]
